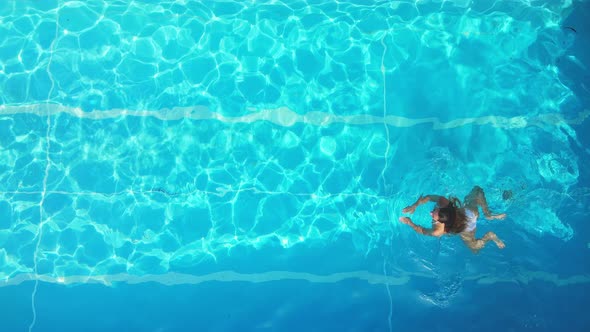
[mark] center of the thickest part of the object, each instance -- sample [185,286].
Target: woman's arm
[425,199]
[437,230]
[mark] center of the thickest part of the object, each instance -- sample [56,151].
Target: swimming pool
[241,166]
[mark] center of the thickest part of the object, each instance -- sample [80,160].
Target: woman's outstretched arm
[437,230]
[440,200]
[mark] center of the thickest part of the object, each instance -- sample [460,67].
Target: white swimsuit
[471,220]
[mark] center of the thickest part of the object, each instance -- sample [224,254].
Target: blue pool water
[242,165]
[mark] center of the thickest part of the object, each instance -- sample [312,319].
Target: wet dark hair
[453,216]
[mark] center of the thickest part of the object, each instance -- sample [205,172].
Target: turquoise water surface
[242,165]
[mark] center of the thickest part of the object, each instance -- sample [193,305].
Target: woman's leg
[477,198]
[477,244]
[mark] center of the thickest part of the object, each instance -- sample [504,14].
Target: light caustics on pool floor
[334,58]
[169,201]
[306,82]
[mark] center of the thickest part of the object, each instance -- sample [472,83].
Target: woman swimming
[450,217]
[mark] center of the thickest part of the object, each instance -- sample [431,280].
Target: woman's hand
[409,209]
[405,220]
